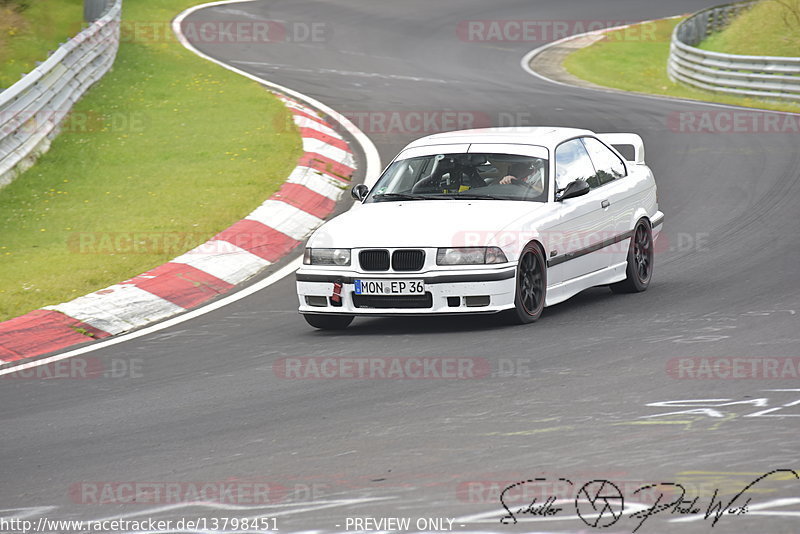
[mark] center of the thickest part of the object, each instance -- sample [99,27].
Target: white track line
[372,171]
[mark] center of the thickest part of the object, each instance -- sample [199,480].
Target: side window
[609,166]
[573,163]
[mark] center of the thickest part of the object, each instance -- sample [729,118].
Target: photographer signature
[600,503]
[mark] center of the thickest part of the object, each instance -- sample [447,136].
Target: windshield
[465,177]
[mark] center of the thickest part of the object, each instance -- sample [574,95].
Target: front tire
[531,286]
[640,261]
[328,322]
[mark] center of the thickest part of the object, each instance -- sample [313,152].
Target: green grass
[166,144]
[637,61]
[777,24]
[30,29]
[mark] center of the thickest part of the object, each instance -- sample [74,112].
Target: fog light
[477,302]
[319,302]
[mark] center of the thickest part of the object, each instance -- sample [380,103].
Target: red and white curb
[229,258]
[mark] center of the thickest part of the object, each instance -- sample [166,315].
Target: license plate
[390,287]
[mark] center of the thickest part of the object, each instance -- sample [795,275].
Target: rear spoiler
[628,139]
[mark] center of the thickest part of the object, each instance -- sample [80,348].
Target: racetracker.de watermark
[80,368]
[232,492]
[174,243]
[404,368]
[383,368]
[547,30]
[72,121]
[721,368]
[564,242]
[418,122]
[733,122]
[143,243]
[217,32]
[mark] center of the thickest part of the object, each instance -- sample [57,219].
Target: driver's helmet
[522,169]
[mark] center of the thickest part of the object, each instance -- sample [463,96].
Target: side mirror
[573,189]
[359,192]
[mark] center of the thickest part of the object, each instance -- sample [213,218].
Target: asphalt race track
[569,397]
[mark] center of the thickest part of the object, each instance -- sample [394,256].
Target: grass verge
[29,29]
[636,60]
[777,34]
[164,152]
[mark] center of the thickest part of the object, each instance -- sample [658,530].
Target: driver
[523,173]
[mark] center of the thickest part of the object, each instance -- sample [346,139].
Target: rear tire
[531,286]
[328,322]
[640,261]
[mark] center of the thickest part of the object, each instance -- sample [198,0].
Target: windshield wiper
[436,196]
[403,196]
[472,196]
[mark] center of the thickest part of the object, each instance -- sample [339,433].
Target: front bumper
[455,291]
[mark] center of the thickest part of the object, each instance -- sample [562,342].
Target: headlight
[470,256]
[327,256]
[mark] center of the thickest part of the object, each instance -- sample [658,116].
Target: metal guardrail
[767,77]
[32,109]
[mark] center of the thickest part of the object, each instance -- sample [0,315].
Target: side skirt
[564,290]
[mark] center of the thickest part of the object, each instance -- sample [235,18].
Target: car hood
[427,223]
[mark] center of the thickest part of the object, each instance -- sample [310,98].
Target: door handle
[605,203]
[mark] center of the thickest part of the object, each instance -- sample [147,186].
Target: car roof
[527,135]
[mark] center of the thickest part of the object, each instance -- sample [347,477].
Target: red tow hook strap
[337,292]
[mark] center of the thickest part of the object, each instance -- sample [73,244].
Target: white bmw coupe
[484,221]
